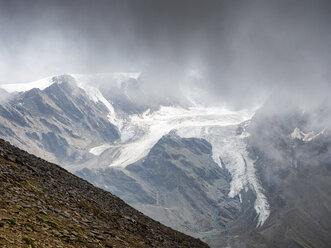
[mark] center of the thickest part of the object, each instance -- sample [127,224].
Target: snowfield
[159,123]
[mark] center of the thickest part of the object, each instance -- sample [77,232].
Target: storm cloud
[233,52]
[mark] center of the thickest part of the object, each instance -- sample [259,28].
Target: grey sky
[233,50]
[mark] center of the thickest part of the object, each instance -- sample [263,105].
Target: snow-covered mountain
[201,170]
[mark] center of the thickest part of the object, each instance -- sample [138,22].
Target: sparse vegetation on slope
[42,205]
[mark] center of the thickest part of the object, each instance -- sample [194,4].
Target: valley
[193,168]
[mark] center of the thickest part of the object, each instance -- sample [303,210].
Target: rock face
[296,177]
[264,183]
[42,205]
[180,185]
[59,123]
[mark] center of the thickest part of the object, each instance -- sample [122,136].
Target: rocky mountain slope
[193,182]
[229,178]
[59,122]
[43,205]
[296,176]
[179,184]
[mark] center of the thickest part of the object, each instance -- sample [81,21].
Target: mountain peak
[63,78]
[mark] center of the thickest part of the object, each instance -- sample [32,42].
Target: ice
[217,126]
[99,149]
[158,123]
[231,148]
[139,133]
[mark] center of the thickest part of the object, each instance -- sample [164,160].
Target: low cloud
[239,51]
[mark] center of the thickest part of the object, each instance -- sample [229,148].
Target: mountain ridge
[59,122]
[228,177]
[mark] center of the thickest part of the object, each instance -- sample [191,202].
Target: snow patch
[99,149]
[95,95]
[82,81]
[20,87]
[298,134]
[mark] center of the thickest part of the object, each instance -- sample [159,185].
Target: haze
[229,52]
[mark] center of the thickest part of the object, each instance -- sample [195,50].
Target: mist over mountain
[210,172]
[211,117]
[226,52]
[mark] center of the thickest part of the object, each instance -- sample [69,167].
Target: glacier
[229,150]
[216,125]
[140,132]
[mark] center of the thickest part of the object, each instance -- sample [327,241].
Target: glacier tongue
[229,149]
[216,125]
